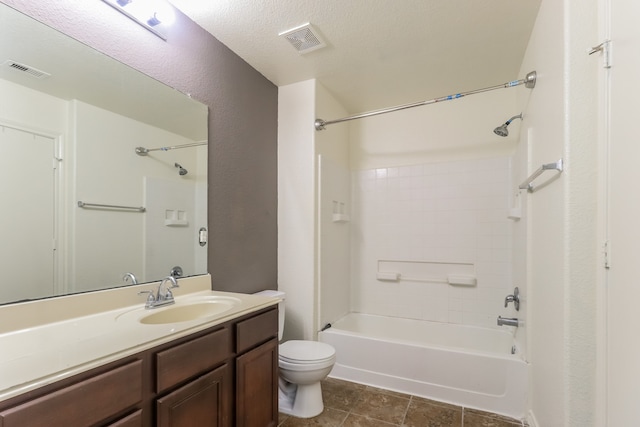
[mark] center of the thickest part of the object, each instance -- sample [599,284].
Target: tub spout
[507,321]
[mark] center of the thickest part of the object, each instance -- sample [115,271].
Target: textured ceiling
[380,52]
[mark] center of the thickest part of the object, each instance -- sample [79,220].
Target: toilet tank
[281,295]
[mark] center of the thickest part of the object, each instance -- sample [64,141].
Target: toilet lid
[302,351]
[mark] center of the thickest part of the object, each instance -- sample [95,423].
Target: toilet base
[306,402]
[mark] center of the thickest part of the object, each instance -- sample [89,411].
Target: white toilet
[303,364]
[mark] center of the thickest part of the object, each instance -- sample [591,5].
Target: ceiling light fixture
[154,15]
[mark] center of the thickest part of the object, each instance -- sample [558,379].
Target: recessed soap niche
[175,218]
[338,212]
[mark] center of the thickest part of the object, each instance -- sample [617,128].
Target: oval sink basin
[189,311]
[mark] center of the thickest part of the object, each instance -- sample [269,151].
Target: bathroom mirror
[81,210]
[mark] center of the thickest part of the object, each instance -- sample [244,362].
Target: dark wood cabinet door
[203,402]
[257,386]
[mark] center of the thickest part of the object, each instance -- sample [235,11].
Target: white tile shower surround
[443,212]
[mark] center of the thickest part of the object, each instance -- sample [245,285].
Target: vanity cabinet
[221,377]
[257,371]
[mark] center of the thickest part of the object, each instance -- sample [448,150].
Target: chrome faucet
[161,298]
[515,298]
[507,321]
[129,277]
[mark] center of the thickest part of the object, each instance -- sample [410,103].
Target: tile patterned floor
[354,405]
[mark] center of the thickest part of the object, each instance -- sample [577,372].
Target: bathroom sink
[186,310]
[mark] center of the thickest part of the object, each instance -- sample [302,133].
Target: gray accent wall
[242,204]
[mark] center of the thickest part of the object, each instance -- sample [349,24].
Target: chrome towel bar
[528,183]
[95,205]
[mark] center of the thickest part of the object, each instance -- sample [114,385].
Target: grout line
[406,411]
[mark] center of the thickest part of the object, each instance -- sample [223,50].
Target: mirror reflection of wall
[71,137]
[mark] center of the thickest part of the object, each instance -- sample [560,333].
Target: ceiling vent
[304,38]
[33,72]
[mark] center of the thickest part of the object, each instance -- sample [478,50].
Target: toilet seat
[304,352]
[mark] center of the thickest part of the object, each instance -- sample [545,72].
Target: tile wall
[454,212]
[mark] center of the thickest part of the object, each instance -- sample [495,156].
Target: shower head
[502,129]
[182,171]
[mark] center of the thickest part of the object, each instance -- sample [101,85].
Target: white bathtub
[464,365]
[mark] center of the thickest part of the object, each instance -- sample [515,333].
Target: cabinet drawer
[194,357]
[85,403]
[256,330]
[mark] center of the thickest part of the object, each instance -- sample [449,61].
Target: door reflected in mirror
[82,210]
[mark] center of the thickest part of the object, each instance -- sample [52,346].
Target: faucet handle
[515,298]
[151,299]
[174,284]
[167,295]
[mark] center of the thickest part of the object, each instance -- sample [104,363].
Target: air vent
[304,38]
[33,72]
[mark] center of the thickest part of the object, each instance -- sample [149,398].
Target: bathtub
[463,365]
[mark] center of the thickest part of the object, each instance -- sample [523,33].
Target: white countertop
[39,354]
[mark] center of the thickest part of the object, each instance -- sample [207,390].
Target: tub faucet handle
[515,298]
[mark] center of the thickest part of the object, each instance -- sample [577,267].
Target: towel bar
[95,205]
[528,183]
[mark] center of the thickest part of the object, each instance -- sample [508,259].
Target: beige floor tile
[282,418]
[354,420]
[355,405]
[389,392]
[381,406]
[424,413]
[329,418]
[341,395]
[472,419]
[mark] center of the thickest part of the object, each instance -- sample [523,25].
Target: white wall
[560,301]
[452,130]
[31,108]
[621,152]
[297,207]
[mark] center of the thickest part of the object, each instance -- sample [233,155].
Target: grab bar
[95,205]
[528,183]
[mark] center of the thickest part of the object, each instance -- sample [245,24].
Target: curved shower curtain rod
[529,81]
